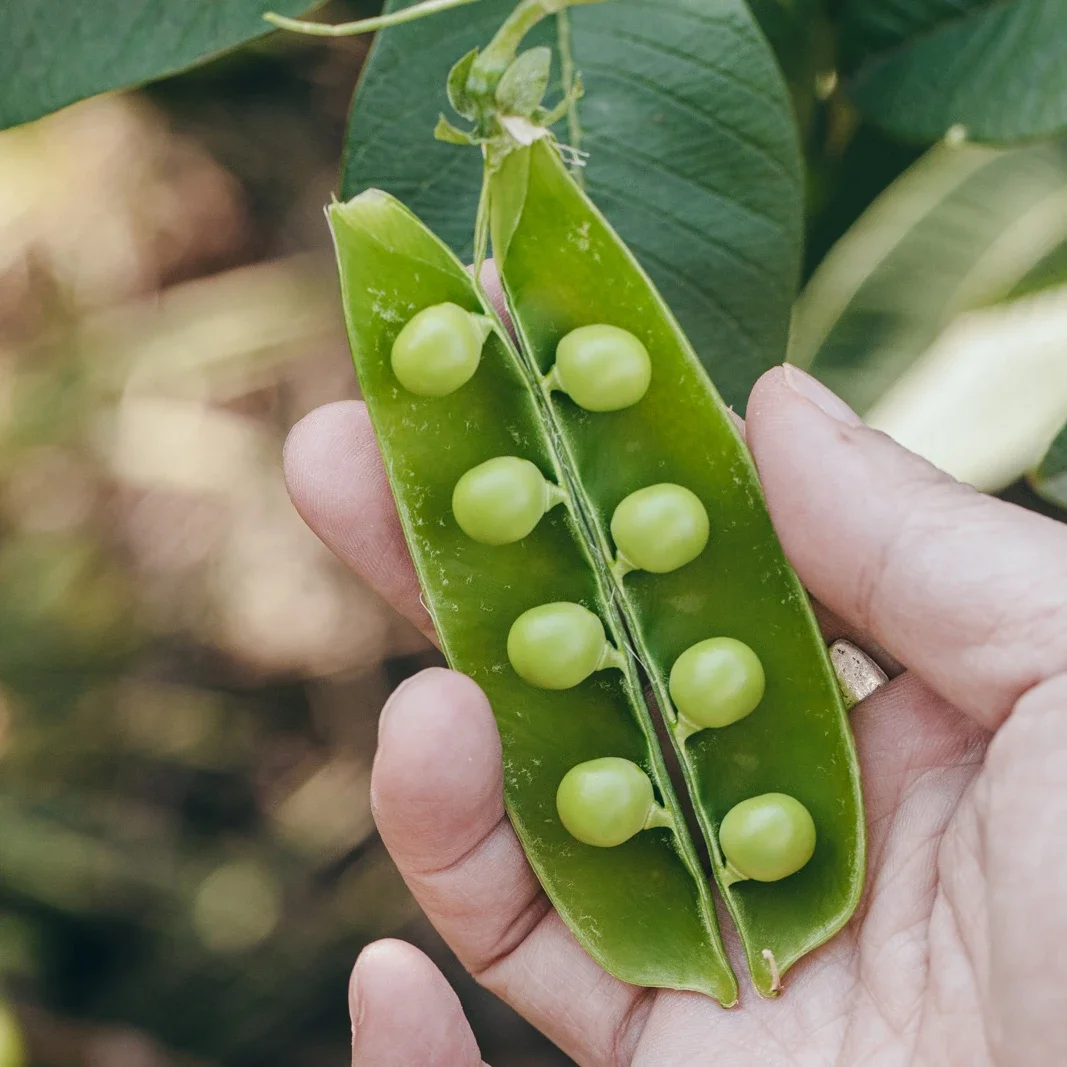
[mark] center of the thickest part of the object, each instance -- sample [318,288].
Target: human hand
[955,955]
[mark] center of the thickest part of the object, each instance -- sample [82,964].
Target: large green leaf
[692,148]
[1050,477]
[958,230]
[996,67]
[54,52]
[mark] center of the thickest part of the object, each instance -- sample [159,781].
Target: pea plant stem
[570,96]
[378,22]
[658,816]
[500,51]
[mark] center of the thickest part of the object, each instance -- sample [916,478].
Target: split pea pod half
[717,617]
[521,604]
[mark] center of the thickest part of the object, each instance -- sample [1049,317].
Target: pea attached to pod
[605,801]
[501,500]
[557,646]
[439,349]
[659,529]
[715,683]
[766,838]
[601,368]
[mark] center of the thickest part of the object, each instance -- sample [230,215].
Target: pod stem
[378,22]
[481,234]
[491,63]
[484,325]
[684,729]
[611,657]
[658,816]
[550,382]
[731,875]
[555,494]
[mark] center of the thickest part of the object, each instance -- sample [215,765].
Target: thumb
[967,591]
[404,1013]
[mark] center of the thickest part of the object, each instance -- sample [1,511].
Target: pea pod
[642,907]
[563,268]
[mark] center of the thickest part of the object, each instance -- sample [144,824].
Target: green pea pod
[563,267]
[640,908]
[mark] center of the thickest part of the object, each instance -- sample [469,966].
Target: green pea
[601,368]
[766,838]
[556,646]
[438,350]
[659,529]
[606,801]
[715,683]
[501,500]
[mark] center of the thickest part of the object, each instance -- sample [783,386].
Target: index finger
[337,482]
[967,591]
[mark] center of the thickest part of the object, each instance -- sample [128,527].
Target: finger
[404,1012]
[492,288]
[437,794]
[969,592]
[337,482]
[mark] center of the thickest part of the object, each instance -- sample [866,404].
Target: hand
[956,955]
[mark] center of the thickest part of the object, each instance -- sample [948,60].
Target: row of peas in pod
[581,511]
[658,529]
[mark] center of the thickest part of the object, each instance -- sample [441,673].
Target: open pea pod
[563,268]
[642,908]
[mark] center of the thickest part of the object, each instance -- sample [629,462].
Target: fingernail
[827,402]
[391,702]
[355,1005]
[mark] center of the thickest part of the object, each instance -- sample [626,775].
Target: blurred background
[189,683]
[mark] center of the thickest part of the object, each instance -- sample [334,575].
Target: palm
[896,987]
[954,955]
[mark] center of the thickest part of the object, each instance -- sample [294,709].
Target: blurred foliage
[1049,477]
[882,320]
[959,230]
[189,682]
[52,59]
[993,67]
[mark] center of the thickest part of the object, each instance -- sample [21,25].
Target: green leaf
[54,52]
[958,230]
[525,82]
[456,86]
[995,67]
[1050,478]
[445,131]
[693,155]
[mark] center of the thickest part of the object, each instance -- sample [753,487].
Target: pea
[605,801]
[766,838]
[557,646]
[715,683]
[659,529]
[439,349]
[501,500]
[601,368]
